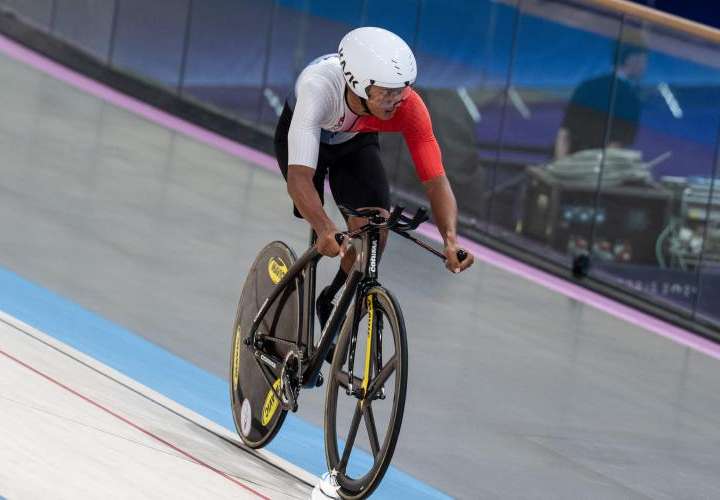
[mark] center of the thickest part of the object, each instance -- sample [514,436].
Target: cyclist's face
[383,102]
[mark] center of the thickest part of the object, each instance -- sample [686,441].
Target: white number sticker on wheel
[245,417]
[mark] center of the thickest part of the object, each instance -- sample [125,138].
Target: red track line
[144,431]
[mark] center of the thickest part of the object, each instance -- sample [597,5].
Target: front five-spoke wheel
[365,400]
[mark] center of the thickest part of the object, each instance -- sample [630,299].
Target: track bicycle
[274,354]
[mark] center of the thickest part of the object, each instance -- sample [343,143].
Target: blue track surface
[185,383]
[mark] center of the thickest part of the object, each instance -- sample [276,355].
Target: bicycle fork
[373,344]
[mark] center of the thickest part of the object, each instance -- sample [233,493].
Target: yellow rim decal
[277,269]
[366,377]
[236,360]
[271,404]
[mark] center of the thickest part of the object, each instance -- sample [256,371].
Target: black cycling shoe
[323,309]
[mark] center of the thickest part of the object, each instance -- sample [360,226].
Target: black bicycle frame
[359,281]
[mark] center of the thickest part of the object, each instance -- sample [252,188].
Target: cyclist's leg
[358,180]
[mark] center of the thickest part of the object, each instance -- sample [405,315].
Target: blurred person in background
[586,114]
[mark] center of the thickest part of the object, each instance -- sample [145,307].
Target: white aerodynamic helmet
[376,56]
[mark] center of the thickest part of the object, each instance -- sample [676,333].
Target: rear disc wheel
[257,412]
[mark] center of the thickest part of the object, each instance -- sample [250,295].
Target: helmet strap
[365,106]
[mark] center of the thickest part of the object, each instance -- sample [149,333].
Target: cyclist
[329,125]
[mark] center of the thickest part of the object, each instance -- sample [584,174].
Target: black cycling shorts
[357,175]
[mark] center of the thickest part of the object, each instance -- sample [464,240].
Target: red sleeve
[413,120]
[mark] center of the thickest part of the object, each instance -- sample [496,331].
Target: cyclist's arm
[303,148]
[302,191]
[425,152]
[444,209]
[413,120]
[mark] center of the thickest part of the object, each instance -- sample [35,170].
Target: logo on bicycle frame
[373,256]
[277,269]
[271,404]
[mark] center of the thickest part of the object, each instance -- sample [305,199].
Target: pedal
[290,386]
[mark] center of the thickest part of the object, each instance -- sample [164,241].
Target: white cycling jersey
[320,111]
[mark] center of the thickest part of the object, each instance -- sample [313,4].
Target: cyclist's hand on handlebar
[327,243]
[457,259]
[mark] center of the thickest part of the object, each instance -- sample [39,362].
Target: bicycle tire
[257,413]
[387,307]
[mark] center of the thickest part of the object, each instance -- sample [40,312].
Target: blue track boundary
[198,390]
